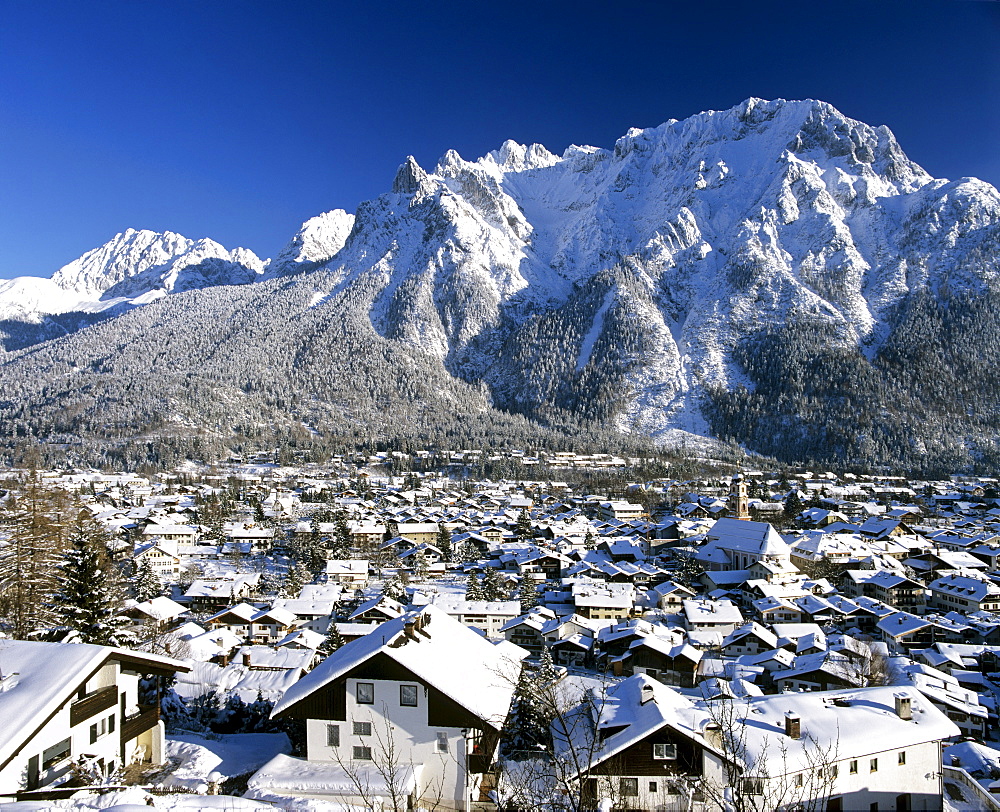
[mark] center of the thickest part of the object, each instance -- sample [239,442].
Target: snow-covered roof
[446,654]
[37,678]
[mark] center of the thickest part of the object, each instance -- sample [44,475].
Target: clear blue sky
[239,120]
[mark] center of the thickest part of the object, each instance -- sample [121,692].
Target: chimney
[904,707]
[713,735]
[793,725]
[646,694]
[246,658]
[409,629]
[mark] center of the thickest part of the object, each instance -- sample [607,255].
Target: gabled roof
[39,678]
[444,653]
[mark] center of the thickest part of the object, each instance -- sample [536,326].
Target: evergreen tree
[420,567]
[332,641]
[492,587]
[547,674]
[298,576]
[341,539]
[444,542]
[527,594]
[590,540]
[793,506]
[522,527]
[473,590]
[525,728]
[146,584]
[36,537]
[394,588]
[269,583]
[90,599]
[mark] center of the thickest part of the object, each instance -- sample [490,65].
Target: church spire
[739,501]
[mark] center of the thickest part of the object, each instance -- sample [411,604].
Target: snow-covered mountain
[134,267]
[319,239]
[646,264]
[739,273]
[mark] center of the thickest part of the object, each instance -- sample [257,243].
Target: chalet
[526,631]
[268,626]
[161,557]
[236,619]
[490,617]
[214,594]
[650,748]
[64,704]
[424,682]
[377,610]
[891,588]
[712,616]
[599,601]
[663,659]
[348,572]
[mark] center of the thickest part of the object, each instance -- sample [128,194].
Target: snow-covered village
[373,634]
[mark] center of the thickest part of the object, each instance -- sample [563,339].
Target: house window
[441,745]
[902,757]
[408,695]
[362,754]
[753,786]
[362,728]
[366,693]
[629,787]
[854,766]
[333,735]
[652,786]
[873,765]
[664,751]
[56,753]
[99,729]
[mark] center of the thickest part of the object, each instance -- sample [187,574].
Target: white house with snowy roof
[62,703]
[641,745]
[411,711]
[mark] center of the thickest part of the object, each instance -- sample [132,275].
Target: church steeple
[739,501]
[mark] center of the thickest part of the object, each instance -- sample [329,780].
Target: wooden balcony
[93,704]
[135,725]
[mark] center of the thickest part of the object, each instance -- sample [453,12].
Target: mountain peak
[410,178]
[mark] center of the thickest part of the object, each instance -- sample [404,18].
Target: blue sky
[239,120]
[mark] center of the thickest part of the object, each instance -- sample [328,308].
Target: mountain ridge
[632,287]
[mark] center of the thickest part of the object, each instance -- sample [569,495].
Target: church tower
[739,501]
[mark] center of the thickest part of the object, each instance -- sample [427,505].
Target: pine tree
[36,537]
[527,594]
[420,567]
[473,590]
[590,540]
[146,584]
[492,587]
[444,542]
[332,641]
[394,588]
[522,527]
[298,576]
[90,600]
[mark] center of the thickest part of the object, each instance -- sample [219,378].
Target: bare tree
[766,775]
[381,773]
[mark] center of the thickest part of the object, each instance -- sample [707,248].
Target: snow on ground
[135,799]
[196,757]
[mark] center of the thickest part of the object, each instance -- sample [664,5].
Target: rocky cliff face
[680,283]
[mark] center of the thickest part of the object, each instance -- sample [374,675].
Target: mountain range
[776,275]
